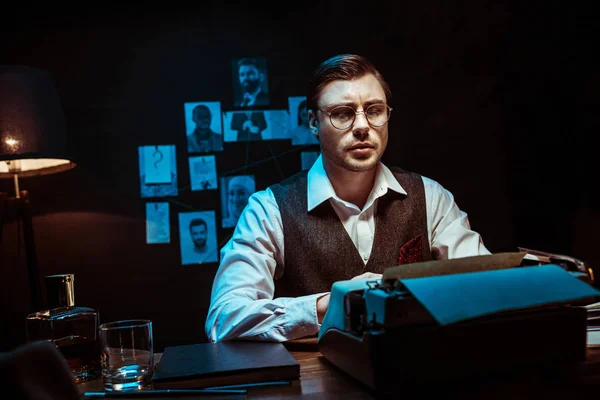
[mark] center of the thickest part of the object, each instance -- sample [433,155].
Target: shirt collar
[320,188]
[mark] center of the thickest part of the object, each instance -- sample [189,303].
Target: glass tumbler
[127,355]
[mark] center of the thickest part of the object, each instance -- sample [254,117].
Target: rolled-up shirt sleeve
[451,235]
[242,303]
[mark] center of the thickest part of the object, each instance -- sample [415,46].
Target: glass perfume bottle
[72,329]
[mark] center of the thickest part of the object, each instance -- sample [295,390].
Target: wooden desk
[319,379]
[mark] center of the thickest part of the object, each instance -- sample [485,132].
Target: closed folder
[203,365]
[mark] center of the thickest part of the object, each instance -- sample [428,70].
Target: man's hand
[368,275]
[249,126]
[323,301]
[254,129]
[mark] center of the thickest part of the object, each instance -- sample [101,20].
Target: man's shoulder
[293,179]
[192,142]
[430,185]
[262,99]
[291,184]
[402,175]
[401,171]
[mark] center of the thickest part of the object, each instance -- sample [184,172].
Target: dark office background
[496,101]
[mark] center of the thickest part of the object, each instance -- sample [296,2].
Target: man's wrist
[322,305]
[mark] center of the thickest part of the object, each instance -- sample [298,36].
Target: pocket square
[412,251]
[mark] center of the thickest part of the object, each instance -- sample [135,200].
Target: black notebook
[224,363]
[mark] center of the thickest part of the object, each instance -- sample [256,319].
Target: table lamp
[32,143]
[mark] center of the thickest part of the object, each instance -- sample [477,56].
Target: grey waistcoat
[318,250]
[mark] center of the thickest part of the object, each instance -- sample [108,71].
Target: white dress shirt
[242,303]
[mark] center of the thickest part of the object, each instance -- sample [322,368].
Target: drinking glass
[127,355]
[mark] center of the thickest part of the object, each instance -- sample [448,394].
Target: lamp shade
[32,124]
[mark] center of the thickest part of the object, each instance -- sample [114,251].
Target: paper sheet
[457,297]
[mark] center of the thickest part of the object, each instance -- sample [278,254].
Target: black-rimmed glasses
[343,117]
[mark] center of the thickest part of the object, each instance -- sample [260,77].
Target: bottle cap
[60,291]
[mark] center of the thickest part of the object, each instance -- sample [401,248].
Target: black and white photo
[250,82]
[300,132]
[203,173]
[235,191]
[204,131]
[241,126]
[157,170]
[198,237]
[158,228]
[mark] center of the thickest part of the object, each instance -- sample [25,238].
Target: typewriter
[447,321]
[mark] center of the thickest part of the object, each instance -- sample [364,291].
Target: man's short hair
[249,61]
[201,107]
[198,222]
[342,67]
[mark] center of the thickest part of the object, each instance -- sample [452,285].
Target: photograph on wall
[250,82]
[203,127]
[308,158]
[242,126]
[198,237]
[203,173]
[158,171]
[300,132]
[235,191]
[158,229]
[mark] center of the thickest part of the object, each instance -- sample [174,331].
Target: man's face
[198,234]
[202,119]
[250,78]
[238,198]
[359,147]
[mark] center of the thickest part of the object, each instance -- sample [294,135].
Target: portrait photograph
[157,170]
[243,126]
[204,131]
[203,173]
[250,82]
[235,191]
[158,228]
[198,237]
[300,133]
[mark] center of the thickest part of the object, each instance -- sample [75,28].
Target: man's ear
[313,123]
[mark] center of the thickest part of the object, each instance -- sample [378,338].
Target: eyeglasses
[343,117]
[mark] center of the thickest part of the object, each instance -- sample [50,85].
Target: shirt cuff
[302,316]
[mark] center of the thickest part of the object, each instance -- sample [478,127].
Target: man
[249,125]
[348,217]
[203,138]
[251,80]
[203,247]
[199,234]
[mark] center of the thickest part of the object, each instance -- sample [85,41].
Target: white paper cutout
[158,228]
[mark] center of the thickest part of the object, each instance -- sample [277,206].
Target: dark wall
[496,102]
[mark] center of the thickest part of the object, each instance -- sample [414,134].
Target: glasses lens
[378,114]
[342,117]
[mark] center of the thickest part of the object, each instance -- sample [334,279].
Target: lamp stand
[22,206]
